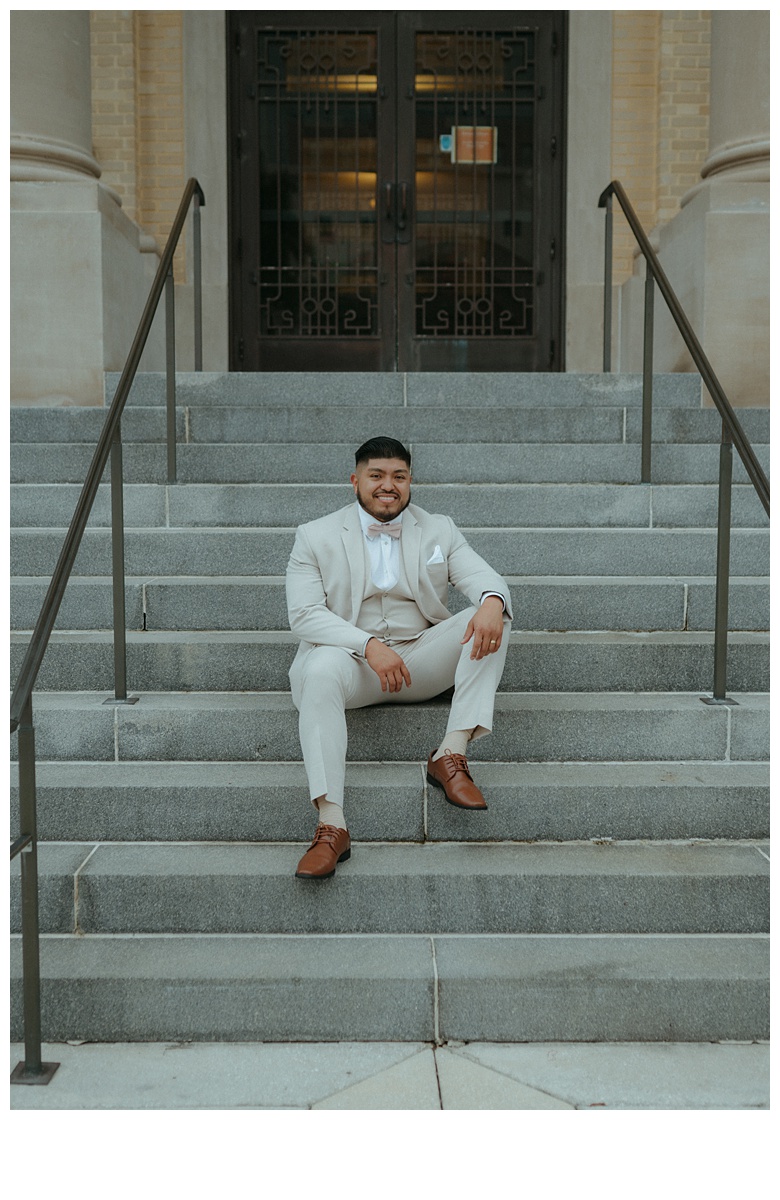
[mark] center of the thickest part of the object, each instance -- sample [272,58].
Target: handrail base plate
[20,1074]
[726,700]
[129,700]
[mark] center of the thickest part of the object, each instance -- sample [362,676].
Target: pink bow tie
[393,531]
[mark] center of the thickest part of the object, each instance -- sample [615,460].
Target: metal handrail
[109,443]
[711,381]
[732,433]
[50,607]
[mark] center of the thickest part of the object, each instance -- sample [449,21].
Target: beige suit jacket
[326,575]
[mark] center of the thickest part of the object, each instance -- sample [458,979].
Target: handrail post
[170,373]
[647,376]
[198,283]
[32,1070]
[118,567]
[722,572]
[608,285]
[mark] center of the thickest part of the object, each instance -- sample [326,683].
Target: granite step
[214,602]
[511,551]
[341,423]
[281,462]
[403,988]
[522,504]
[528,727]
[536,662]
[188,810]
[438,389]
[390,801]
[435,888]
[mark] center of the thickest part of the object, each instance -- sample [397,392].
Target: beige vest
[391,616]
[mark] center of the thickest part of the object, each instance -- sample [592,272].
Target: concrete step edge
[283,637]
[530,726]
[89,773]
[281,701]
[613,987]
[436,887]
[537,530]
[349,447]
[204,857]
[279,580]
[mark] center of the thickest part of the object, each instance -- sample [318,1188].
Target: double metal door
[396,190]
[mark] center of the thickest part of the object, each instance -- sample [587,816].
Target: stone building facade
[111,112]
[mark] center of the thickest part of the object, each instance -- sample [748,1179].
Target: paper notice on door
[471,144]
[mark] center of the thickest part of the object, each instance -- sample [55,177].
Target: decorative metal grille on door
[474,218]
[396,200]
[317,110]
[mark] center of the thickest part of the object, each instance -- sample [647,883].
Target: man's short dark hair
[382,447]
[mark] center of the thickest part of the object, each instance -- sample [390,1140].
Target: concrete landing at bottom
[401,1076]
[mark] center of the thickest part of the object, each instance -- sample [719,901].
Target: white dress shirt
[383,551]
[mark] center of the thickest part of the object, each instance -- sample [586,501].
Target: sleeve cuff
[485,595]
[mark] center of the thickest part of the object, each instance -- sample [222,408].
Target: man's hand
[389,666]
[486,627]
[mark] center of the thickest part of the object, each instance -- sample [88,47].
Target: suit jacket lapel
[411,536]
[352,537]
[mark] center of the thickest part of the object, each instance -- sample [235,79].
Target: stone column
[77,278]
[739,107]
[51,118]
[716,249]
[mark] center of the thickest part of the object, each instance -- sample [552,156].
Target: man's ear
[353,479]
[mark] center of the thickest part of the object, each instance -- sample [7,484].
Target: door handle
[402,214]
[395,212]
[388,213]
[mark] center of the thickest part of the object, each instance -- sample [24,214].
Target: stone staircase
[616,889]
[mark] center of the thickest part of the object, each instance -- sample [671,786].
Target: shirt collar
[366,519]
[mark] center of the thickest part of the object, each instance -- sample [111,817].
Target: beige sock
[330,814]
[455,742]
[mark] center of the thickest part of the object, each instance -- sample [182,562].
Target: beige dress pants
[332,680]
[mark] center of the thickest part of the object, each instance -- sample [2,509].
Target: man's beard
[383,516]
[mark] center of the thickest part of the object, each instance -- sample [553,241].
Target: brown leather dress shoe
[451,774]
[331,845]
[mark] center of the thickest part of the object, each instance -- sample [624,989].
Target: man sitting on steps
[367,596]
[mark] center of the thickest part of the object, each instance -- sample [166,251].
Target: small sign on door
[471,144]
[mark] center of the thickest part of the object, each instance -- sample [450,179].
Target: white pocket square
[436,557]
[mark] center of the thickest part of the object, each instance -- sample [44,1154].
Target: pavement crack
[76,892]
[438,1080]
[438,1040]
[534,1087]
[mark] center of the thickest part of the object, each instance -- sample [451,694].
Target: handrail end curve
[608,191]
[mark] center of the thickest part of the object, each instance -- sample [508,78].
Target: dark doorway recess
[396,190]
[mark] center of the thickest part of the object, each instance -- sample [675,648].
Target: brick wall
[112,40]
[635,57]
[660,115]
[683,106]
[160,123]
[138,115]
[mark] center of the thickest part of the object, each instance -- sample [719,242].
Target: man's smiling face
[383,487]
